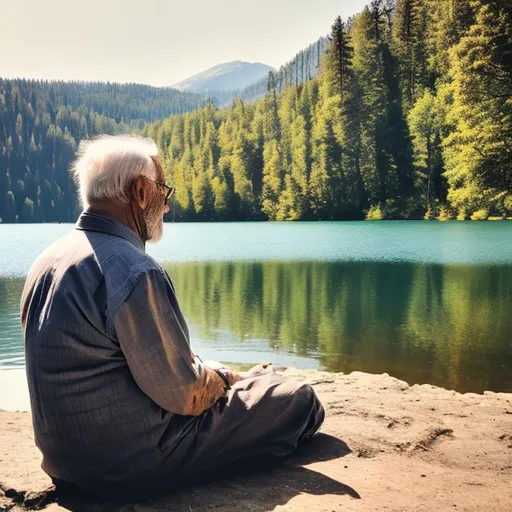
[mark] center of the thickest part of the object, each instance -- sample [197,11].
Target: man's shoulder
[65,251]
[116,253]
[112,254]
[109,258]
[122,266]
[90,259]
[125,265]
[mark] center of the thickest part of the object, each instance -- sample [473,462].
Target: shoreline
[14,395]
[418,447]
[491,218]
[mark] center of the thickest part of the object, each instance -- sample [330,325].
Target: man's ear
[140,192]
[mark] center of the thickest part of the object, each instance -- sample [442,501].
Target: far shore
[212,221]
[385,445]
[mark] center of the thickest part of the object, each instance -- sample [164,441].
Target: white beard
[155,229]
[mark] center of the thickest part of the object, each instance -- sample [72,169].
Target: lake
[426,302]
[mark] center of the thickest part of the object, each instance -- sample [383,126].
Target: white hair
[107,165]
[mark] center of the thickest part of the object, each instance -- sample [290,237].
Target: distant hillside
[302,67]
[230,76]
[41,124]
[124,103]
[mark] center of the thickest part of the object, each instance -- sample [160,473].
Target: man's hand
[232,376]
[258,370]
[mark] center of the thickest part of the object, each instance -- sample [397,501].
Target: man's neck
[119,211]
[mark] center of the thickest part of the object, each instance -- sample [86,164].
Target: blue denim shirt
[107,357]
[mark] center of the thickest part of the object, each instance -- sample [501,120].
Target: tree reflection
[443,324]
[448,325]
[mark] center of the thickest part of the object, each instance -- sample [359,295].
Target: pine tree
[368,65]
[339,56]
[478,154]
[449,20]
[409,25]
[273,165]
[272,179]
[426,125]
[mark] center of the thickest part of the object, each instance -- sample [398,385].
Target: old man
[121,407]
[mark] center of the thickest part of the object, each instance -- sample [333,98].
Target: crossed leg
[265,415]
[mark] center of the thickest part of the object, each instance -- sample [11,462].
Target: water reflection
[447,325]
[11,342]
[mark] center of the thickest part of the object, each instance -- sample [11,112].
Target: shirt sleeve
[154,340]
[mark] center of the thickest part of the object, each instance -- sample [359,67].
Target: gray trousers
[268,415]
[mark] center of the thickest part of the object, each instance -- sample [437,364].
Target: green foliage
[445,213]
[41,124]
[477,152]
[448,21]
[482,214]
[403,111]
[272,178]
[389,128]
[375,213]
[426,122]
[408,43]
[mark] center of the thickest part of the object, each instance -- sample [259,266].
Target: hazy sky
[158,42]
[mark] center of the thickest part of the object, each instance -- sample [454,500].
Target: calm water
[426,302]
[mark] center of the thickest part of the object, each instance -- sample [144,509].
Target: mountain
[230,76]
[303,67]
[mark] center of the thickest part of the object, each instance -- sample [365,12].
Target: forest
[41,124]
[408,116]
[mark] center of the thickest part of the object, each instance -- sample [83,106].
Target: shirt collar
[103,223]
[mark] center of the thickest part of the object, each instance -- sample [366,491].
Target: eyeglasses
[170,190]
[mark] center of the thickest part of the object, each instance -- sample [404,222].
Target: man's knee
[306,397]
[309,410]
[306,392]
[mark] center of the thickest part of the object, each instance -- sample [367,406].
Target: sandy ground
[385,446]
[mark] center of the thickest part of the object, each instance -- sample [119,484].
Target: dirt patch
[385,446]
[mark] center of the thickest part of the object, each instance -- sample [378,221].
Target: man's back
[90,416]
[120,405]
